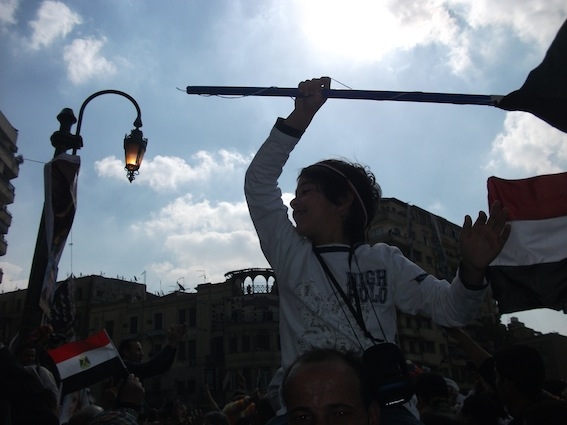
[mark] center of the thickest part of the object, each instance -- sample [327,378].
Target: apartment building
[9,169]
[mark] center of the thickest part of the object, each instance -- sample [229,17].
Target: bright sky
[184,218]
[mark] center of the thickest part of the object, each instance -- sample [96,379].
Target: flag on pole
[63,310]
[83,363]
[61,175]
[531,270]
[544,93]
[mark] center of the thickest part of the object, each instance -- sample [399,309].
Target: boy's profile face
[317,218]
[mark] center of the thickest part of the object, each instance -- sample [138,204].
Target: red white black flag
[84,363]
[531,270]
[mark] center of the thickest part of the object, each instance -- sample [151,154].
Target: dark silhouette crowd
[320,386]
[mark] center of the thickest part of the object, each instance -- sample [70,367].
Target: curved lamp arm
[137,121]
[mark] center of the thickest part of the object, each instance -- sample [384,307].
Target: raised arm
[308,103]
[481,242]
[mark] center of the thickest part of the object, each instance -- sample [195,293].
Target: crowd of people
[321,386]
[338,299]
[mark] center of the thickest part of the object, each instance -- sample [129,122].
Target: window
[427,347]
[233,344]
[182,350]
[263,342]
[245,343]
[182,316]
[133,325]
[192,317]
[109,326]
[417,256]
[423,323]
[191,351]
[217,347]
[158,321]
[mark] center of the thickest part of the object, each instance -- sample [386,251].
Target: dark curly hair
[336,178]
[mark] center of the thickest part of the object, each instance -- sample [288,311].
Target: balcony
[5,218]
[7,191]
[9,164]
[3,245]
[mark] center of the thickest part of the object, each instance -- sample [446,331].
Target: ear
[373,413]
[345,203]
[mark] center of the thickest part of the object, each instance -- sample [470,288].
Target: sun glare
[365,30]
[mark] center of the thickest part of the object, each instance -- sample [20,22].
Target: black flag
[544,93]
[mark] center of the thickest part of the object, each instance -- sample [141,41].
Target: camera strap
[357,314]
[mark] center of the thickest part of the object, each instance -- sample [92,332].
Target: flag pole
[544,93]
[415,96]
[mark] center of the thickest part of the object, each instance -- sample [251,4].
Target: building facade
[9,169]
[233,332]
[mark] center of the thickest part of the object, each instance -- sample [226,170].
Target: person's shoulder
[379,248]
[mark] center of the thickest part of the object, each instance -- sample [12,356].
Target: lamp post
[56,225]
[134,144]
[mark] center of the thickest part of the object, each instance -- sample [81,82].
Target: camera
[388,374]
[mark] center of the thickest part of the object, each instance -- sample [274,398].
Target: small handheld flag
[84,363]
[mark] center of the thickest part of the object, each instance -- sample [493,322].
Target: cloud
[8,12]
[169,172]
[536,20]
[83,60]
[54,20]
[214,236]
[205,237]
[529,145]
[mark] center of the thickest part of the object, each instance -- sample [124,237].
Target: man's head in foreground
[326,386]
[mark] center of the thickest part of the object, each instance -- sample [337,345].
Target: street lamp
[134,144]
[58,212]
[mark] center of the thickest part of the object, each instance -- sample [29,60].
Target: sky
[184,218]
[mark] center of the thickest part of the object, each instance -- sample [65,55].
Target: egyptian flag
[84,363]
[531,270]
